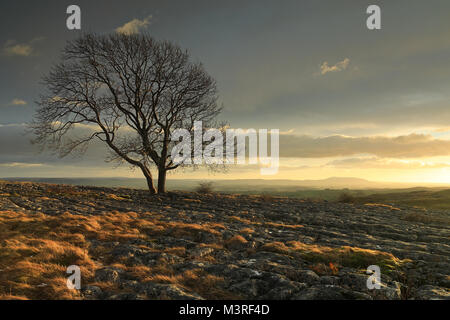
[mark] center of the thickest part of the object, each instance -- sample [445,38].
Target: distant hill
[237,185]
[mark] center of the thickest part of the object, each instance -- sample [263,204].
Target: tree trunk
[162,180]
[148,176]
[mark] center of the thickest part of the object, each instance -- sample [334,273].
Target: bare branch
[128,91]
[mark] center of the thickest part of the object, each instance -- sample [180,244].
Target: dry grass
[191,231]
[277,247]
[196,280]
[36,249]
[266,198]
[246,231]
[425,218]
[353,257]
[34,262]
[65,190]
[380,205]
[235,243]
[178,251]
[325,270]
[283,225]
[245,221]
[341,256]
[117,198]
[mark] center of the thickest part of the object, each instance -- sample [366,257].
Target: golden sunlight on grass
[343,256]
[34,257]
[382,206]
[36,249]
[160,248]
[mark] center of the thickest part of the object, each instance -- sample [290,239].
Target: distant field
[318,194]
[360,191]
[429,199]
[416,197]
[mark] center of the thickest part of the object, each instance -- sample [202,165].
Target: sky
[348,101]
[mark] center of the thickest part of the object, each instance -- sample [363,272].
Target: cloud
[403,147]
[23,50]
[21,165]
[134,26]
[12,125]
[442,129]
[12,48]
[379,163]
[18,102]
[340,66]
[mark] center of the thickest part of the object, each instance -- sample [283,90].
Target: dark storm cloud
[308,65]
[264,55]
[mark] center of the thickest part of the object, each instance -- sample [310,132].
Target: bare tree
[131,91]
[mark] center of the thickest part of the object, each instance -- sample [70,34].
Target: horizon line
[418,184]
